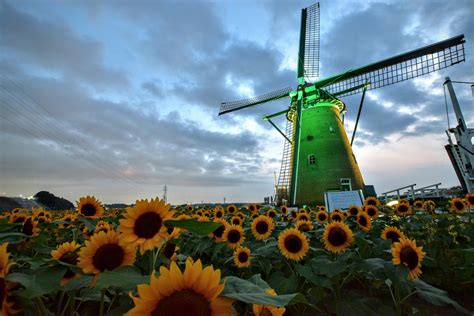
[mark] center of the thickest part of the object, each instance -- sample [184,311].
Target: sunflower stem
[408,296]
[102,296]
[60,302]
[111,303]
[42,308]
[65,306]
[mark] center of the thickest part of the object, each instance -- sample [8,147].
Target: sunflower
[183,217]
[372,201]
[293,214]
[199,213]
[354,210]
[403,201]
[429,207]
[236,220]
[189,208]
[242,257]
[102,226]
[234,235]
[403,209]
[170,250]
[337,237]
[418,204]
[6,287]
[268,310]
[337,217]
[254,215]
[372,211]
[336,210]
[392,233]
[322,208]
[284,209]
[89,207]
[262,227]
[293,244]
[304,226]
[4,263]
[219,231]
[322,216]
[470,199]
[231,209]
[192,292]
[303,217]
[67,218]
[17,218]
[241,215]
[67,253]
[405,251]
[364,221]
[345,214]
[271,213]
[219,212]
[143,225]
[105,251]
[458,205]
[252,208]
[29,227]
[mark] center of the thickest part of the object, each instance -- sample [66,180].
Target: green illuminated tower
[317,155]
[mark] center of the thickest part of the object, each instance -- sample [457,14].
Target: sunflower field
[412,258]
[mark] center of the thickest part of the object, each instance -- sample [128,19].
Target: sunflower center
[28,227]
[184,302]
[108,257]
[236,221]
[261,227]
[169,250]
[322,217]
[371,202]
[272,214]
[303,218]
[394,236]
[71,258]
[219,214]
[243,257]
[231,209]
[2,289]
[409,257]
[337,236]
[470,199]
[353,211]
[233,236]
[219,231]
[293,243]
[336,217]
[371,212]
[147,225]
[363,221]
[403,208]
[266,312]
[459,205]
[88,209]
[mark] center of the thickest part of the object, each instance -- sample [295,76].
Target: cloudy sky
[118,98]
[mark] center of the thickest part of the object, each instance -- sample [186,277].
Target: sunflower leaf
[435,296]
[45,280]
[125,277]
[251,293]
[198,228]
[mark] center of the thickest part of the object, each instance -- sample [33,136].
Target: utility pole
[165,191]
[224,201]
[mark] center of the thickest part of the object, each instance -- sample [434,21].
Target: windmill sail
[311,46]
[399,68]
[227,107]
[284,179]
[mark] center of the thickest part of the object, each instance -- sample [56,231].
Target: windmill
[317,154]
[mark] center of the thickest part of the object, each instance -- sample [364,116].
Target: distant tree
[52,202]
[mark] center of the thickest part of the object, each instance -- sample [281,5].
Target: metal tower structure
[461,152]
[318,156]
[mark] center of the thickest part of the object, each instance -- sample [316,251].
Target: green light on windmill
[317,155]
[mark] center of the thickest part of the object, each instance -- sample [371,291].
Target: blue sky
[118,98]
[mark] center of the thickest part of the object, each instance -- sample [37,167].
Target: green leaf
[126,277]
[45,280]
[90,225]
[250,293]
[79,283]
[198,228]
[435,296]
[8,235]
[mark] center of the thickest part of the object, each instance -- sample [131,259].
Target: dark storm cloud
[55,47]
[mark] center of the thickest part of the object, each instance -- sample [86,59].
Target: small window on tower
[311,159]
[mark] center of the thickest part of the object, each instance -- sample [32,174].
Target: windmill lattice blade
[227,107]
[399,68]
[312,36]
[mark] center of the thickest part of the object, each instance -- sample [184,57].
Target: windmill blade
[406,66]
[227,107]
[311,46]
